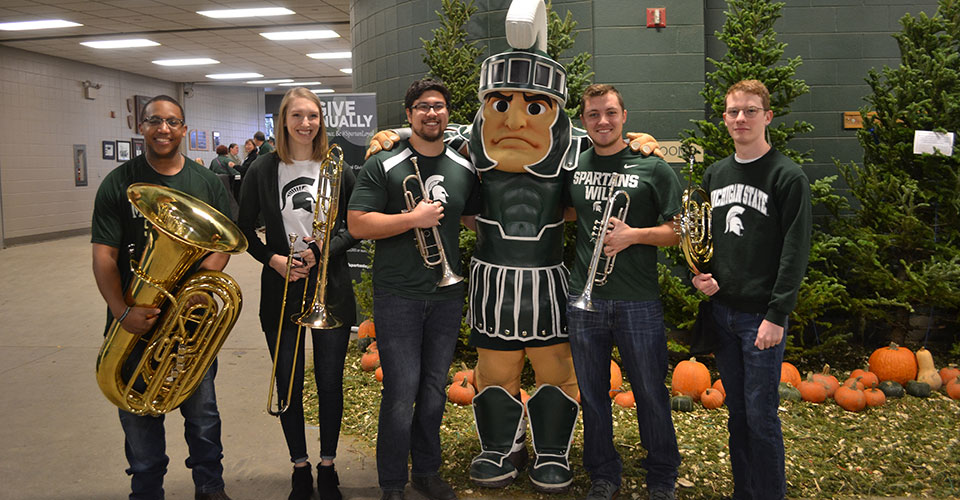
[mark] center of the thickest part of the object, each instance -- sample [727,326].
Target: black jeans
[329,351]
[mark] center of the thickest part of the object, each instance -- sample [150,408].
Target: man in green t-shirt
[416,313]
[626,309]
[119,233]
[761,244]
[263,146]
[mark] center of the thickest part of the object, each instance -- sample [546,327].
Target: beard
[428,136]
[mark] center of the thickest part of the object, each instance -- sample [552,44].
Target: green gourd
[918,389]
[681,403]
[891,389]
[788,392]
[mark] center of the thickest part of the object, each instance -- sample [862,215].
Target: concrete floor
[62,439]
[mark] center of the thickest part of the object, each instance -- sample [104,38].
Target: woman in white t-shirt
[281,187]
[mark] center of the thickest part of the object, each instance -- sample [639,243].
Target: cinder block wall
[660,71]
[45,114]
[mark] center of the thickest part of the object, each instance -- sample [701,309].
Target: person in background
[281,188]
[250,154]
[222,164]
[263,146]
[761,245]
[234,153]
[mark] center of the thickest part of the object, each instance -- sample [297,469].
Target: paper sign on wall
[928,141]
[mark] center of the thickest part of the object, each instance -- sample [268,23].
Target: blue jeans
[751,378]
[416,339]
[636,327]
[146,445]
[329,351]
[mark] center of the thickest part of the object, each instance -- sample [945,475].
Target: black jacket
[259,195]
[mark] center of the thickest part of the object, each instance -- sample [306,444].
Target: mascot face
[517,128]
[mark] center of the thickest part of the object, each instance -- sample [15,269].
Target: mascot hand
[644,143]
[383,140]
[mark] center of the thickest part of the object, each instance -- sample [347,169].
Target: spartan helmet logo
[734,224]
[435,191]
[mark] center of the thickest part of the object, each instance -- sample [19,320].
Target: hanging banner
[351,120]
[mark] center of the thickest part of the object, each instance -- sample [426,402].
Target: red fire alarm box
[657,17]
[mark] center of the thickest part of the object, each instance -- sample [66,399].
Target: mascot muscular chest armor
[521,143]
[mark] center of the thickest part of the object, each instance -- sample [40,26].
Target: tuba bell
[597,275]
[153,373]
[694,224]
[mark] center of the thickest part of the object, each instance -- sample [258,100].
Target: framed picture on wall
[123,150]
[109,150]
[137,144]
[198,140]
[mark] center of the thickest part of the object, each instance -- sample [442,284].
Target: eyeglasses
[748,112]
[425,107]
[155,121]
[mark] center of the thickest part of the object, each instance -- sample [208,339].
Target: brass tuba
[154,373]
[595,274]
[694,224]
[428,240]
[316,316]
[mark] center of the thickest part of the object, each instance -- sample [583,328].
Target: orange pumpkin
[373,347]
[869,379]
[718,385]
[616,378]
[461,394]
[874,397]
[790,374]
[811,391]
[366,330]
[850,399]
[379,374]
[827,380]
[625,399]
[711,399]
[854,383]
[953,388]
[894,363]
[948,373]
[370,361]
[465,373]
[690,378]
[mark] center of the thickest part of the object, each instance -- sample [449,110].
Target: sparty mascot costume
[525,149]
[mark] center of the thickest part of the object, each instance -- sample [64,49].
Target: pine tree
[560,37]
[455,61]
[900,248]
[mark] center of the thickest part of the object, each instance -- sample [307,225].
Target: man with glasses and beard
[119,234]
[418,321]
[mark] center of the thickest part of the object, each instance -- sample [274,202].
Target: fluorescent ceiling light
[186,62]
[298,84]
[348,71]
[120,44]
[323,91]
[38,25]
[330,55]
[234,13]
[234,76]
[300,35]
[282,80]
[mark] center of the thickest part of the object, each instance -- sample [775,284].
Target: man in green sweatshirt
[761,241]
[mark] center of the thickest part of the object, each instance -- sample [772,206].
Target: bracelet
[124,315]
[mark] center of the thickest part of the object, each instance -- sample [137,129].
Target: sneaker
[392,495]
[433,487]
[601,489]
[217,495]
[327,482]
[301,484]
[662,495]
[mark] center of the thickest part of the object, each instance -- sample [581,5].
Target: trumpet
[316,316]
[694,225]
[600,227]
[428,240]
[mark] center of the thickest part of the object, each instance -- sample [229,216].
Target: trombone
[600,228]
[431,252]
[316,316]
